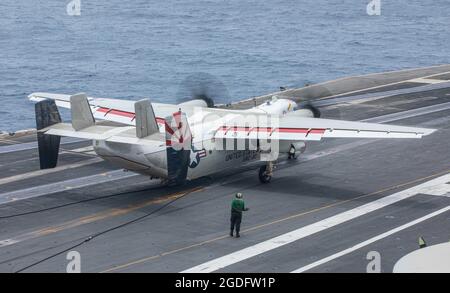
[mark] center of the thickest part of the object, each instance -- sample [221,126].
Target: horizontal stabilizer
[125,134]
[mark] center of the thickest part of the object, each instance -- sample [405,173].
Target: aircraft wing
[116,110]
[303,129]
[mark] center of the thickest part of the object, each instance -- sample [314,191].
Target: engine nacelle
[301,113]
[281,106]
[276,106]
[306,110]
[284,147]
[194,103]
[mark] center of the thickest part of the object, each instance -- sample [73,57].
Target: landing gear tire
[291,153]
[264,175]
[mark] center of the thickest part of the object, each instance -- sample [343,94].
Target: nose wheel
[291,154]
[265,173]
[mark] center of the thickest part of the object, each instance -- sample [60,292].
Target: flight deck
[326,211]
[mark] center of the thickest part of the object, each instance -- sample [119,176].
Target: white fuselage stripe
[33,145]
[44,172]
[370,241]
[64,185]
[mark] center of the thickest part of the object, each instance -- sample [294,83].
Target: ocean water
[141,48]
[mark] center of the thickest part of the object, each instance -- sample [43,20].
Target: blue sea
[142,48]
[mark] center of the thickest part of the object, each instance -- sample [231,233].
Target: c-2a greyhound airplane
[190,140]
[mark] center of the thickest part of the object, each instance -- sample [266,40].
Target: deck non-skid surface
[323,212]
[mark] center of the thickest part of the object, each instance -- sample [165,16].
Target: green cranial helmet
[238,195]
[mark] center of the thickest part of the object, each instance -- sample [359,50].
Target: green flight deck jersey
[238,205]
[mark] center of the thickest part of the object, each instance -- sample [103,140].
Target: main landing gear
[265,172]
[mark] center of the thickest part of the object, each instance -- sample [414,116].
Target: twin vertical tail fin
[178,146]
[81,112]
[177,133]
[47,114]
[146,124]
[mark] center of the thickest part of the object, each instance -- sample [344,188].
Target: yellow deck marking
[96,217]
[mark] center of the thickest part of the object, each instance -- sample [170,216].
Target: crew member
[237,207]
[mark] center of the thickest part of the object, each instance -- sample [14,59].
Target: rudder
[47,114]
[178,146]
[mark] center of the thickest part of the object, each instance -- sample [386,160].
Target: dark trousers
[236,219]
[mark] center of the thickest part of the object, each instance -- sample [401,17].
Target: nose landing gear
[265,173]
[291,154]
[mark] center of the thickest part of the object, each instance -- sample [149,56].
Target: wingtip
[428,131]
[35,97]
